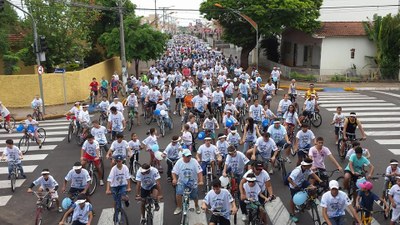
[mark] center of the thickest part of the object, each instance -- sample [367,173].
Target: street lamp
[249,20]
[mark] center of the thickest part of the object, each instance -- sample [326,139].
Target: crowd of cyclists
[228,125]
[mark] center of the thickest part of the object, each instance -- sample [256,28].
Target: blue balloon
[157,112]
[360,181]
[229,122]
[265,123]
[201,135]
[66,203]
[155,147]
[20,128]
[300,197]
[31,128]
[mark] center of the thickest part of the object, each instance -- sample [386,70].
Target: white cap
[80,201]
[77,167]
[186,152]
[144,170]
[333,184]
[251,178]
[303,163]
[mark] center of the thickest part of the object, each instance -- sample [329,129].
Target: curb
[301,88]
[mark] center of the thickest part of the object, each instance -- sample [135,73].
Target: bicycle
[44,201]
[366,216]
[14,174]
[120,217]
[179,107]
[185,206]
[23,144]
[346,145]
[209,177]
[131,119]
[72,197]
[37,114]
[5,124]
[386,193]
[93,176]
[81,137]
[217,113]
[253,214]
[149,211]
[281,165]
[162,124]
[242,118]
[134,166]
[313,118]
[148,114]
[234,190]
[324,175]
[92,98]
[310,204]
[352,190]
[103,119]
[72,129]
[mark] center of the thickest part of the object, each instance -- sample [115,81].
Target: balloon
[269,97]
[20,128]
[163,113]
[31,129]
[229,122]
[300,197]
[360,181]
[224,181]
[157,112]
[158,155]
[201,135]
[155,147]
[66,203]
[265,123]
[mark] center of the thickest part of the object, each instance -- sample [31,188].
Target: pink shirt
[319,156]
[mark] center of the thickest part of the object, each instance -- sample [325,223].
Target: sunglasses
[231,153]
[251,181]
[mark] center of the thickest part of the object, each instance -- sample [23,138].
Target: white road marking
[277,212]
[395,151]
[350,101]
[27,169]
[361,114]
[7,183]
[347,98]
[48,133]
[388,141]
[350,109]
[380,125]
[382,133]
[359,104]
[106,216]
[34,157]
[388,93]
[4,199]
[380,119]
[55,139]
[36,148]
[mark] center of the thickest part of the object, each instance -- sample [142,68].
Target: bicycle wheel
[93,183]
[162,128]
[13,179]
[38,220]
[103,120]
[171,124]
[315,215]
[70,132]
[41,135]
[184,220]
[316,121]
[147,116]
[133,168]
[242,123]
[12,124]
[35,116]
[40,116]
[149,219]
[23,144]
[283,170]
[341,143]
[130,123]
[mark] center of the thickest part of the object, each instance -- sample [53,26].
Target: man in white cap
[82,212]
[187,173]
[334,203]
[79,178]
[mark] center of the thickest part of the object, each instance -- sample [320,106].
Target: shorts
[145,193]
[193,195]
[306,113]
[219,220]
[204,166]
[304,152]
[245,96]
[85,125]
[337,130]
[266,160]
[73,190]
[395,214]
[305,184]
[282,143]
[95,92]
[90,158]
[177,100]
[77,222]
[338,220]
[7,118]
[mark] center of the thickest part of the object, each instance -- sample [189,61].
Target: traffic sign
[58,70]
[40,70]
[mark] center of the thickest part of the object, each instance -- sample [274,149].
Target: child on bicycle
[31,126]
[13,154]
[365,201]
[394,196]
[338,121]
[351,151]
[392,171]
[163,112]
[135,145]
[133,104]
[222,149]
[104,105]
[173,153]
[187,137]
[233,138]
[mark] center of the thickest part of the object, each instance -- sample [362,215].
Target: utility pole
[122,41]
[36,49]
[155,13]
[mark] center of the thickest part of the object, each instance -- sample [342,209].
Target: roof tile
[332,29]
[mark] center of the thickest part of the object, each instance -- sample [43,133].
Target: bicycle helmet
[367,185]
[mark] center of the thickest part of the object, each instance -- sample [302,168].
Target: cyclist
[94,87]
[37,104]
[228,88]
[118,182]
[116,122]
[79,178]
[338,121]
[135,145]
[284,105]
[233,138]
[104,87]
[250,134]
[210,125]
[311,91]
[217,100]
[228,116]
[189,172]
[392,171]
[148,184]
[266,148]
[117,104]
[366,198]
[256,111]
[153,95]
[219,200]
[143,90]
[133,104]
[252,192]
[151,141]
[309,106]
[99,133]
[269,91]
[291,119]
[292,91]
[166,95]
[206,155]
[333,203]
[355,168]
[6,115]
[394,197]
[304,139]
[297,180]
[349,128]
[119,147]
[222,149]
[179,92]
[75,110]
[104,105]
[235,163]
[200,103]
[187,137]
[114,83]
[356,144]
[163,112]
[279,135]
[47,183]
[32,125]
[82,212]
[230,106]
[172,153]
[13,153]
[275,76]
[187,100]
[84,119]
[193,127]
[90,152]
[244,89]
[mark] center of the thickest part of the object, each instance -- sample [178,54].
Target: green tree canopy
[272,17]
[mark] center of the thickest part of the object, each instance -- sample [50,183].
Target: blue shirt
[358,163]
[367,201]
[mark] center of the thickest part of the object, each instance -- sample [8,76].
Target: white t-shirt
[210,124]
[80,180]
[222,147]
[116,121]
[75,110]
[284,105]
[252,192]
[147,181]
[153,95]
[237,163]
[99,134]
[269,88]
[335,206]
[339,120]
[389,171]
[277,134]
[291,117]
[260,178]
[84,117]
[172,151]
[118,105]
[256,112]
[217,97]
[90,149]
[193,127]
[4,111]
[50,183]
[187,172]
[12,154]
[81,214]
[207,153]
[104,106]
[305,138]
[298,176]
[119,148]
[132,101]
[143,91]
[119,177]
[220,202]
[150,141]
[200,102]
[233,139]
[187,137]
[134,145]
[395,193]
[265,148]
[179,91]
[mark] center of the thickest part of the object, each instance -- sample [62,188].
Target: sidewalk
[52,112]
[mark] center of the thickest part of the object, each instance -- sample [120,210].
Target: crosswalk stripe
[361,114]
[349,109]
[395,151]
[55,128]
[7,183]
[380,125]
[193,216]
[359,104]
[50,133]
[349,101]
[380,119]
[34,157]
[27,169]
[388,141]
[338,93]
[36,148]
[50,122]
[382,133]
[387,93]
[277,212]
[54,139]
[4,199]
[347,98]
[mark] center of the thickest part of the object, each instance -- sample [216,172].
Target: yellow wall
[19,90]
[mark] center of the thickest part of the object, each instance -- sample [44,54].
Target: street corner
[349,89]
[301,88]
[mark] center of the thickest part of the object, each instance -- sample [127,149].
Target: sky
[183,17]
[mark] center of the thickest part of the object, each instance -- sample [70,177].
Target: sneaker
[288,160]
[169,179]
[156,206]
[244,218]
[127,203]
[177,211]
[40,146]
[143,221]
[271,171]
[174,112]
[60,210]
[294,219]
[23,176]
[198,210]
[101,183]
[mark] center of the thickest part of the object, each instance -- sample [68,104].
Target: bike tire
[339,145]
[283,170]
[38,220]
[23,144]
[315,215]
[148,117]
[70,132]
[13,180]
[184,220]
[12,123]
[41,135]
[149,219]
[317,121]
[171,126]
[162,129]
[125,217]
[130,124]
[40,116]
[35,116]
[93,183]
[102,120]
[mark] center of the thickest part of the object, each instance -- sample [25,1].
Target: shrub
[302,77]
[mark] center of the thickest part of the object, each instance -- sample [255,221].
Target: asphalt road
[19,207]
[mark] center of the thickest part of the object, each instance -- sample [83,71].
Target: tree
[142,42]
[385,33]
[272,17]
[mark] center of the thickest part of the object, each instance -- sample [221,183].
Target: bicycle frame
[185,206]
